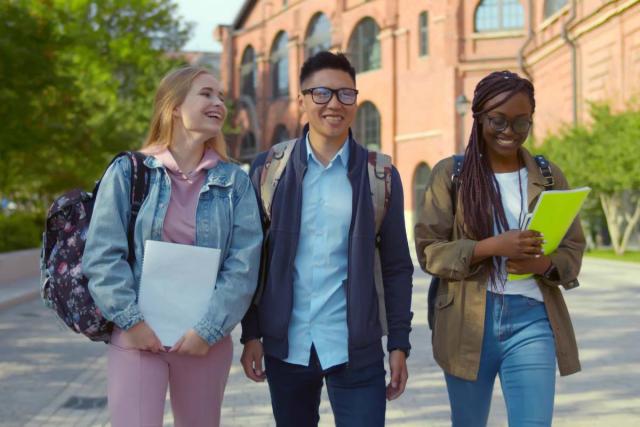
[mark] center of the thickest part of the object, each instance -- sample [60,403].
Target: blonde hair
[171,93]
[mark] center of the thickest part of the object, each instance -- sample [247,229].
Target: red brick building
[415,58]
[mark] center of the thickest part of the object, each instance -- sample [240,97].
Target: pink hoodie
[180,221]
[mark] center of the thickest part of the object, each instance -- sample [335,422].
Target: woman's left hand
[191,344]
[528,265]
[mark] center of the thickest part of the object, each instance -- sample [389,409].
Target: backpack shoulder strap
[379,172]
[379,166]
[139,190]
[272,170]
[274,165]
[139,180]
[545,170]
[458,161]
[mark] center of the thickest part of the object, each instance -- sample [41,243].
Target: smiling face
[331,120]
[202,112]
[502,146]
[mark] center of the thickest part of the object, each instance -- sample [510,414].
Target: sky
[206,15]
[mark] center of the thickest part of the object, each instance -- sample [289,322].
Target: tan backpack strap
[382,307]
[380,184]
[379,166]
[274,165]
[272,169]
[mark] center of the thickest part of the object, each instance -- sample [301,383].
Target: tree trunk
[619,223]
[632,221]
[610,206]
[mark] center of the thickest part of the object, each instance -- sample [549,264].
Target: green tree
[82,76]
[32,93]
[606,157]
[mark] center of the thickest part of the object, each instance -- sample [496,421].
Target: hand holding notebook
[176,287]
[552,216]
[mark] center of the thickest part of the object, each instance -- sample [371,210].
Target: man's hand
[191,344]
[399,374]
[251,360]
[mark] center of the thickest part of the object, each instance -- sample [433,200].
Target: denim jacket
[227,218]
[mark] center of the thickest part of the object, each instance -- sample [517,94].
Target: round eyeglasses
[520,125]
[322,95]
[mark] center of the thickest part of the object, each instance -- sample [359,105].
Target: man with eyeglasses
[318,317]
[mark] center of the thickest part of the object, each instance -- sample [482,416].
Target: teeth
[506,141]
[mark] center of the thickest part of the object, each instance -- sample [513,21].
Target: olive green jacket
[445,251]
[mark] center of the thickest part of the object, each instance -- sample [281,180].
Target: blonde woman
[196,197]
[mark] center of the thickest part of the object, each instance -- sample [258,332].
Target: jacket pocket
[443,301]
[440,334]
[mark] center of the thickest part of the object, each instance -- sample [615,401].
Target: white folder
[176,287]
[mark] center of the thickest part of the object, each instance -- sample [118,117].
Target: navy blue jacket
[270,319]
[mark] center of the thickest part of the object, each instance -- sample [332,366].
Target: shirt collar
[342,154]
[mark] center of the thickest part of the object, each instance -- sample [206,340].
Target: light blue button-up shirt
[319,314]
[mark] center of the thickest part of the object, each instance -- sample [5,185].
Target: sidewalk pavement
[50,377]
[20,291]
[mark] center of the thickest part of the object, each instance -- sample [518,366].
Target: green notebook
[552,216]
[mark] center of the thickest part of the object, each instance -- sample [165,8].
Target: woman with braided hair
[470,236]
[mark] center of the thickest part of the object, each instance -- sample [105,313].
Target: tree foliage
[605,156]
[78,81]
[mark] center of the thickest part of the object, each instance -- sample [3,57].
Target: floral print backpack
[63,286]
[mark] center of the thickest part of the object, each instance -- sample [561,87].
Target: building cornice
[242,16]
[419,135]
[498,35]
[583,27]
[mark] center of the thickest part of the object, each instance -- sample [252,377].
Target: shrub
[20,230]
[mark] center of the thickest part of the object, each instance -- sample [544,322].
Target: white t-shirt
[514,201]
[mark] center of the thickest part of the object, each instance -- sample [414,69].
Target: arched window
[552,6]
[420,181]
[280,66]
[364,46]
[367,127]
[423,34]
[280,134]
[499,15]
[248,73]
[248,147]
[318,36]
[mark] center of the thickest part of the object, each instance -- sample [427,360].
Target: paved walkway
[49,377]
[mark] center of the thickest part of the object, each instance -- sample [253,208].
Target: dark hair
[479,189]
[326,60]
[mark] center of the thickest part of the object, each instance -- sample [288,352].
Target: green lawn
[629,256]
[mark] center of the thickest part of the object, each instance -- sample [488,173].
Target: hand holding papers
[176,286]
[552,216]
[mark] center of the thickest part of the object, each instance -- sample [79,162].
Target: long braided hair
[479,189]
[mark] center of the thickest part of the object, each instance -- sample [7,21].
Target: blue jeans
[357,396]
[518,345]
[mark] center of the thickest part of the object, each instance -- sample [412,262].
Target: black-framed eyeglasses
[322,95]
[520,125]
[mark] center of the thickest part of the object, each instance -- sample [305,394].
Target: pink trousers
[138,381]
